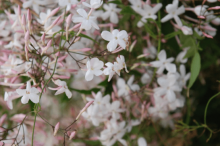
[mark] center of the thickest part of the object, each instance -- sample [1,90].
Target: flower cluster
[55,52]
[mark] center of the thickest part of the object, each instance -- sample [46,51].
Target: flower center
[27,92]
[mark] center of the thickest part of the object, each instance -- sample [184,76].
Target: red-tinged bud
[23,20]
[49,43]
[201,17]
[2,119]
[214,8]
[72,135]
[27,36]
[68,19]
[55,21]
[61,77]
[43,38]
[53,12]
[19,10]
[62,58]
[206,35]
[29,15]
[53,24]
[57,126]
[77,39]
[86,106]
[47,47]
[73,6]
[75,27]
[57,54]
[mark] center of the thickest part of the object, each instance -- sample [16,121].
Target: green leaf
[147,28]
[173,34]
[128,10]
[195,69]
[115,2]
[104,83]
[191,52]
[196,35]
[85,36]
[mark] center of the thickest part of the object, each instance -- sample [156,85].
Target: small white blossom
[28,93]
[94,67]
[163,63]
[173,12]
[87,22]
[115,38]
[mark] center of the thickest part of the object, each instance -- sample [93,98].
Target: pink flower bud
[77,26]
[214,8]
[72,135]
[53,12]
[19,10]
[57,126]
[57,54]
[53,24]
[206,35]
[27,36]
[23,20]
[43,38]
[68,20]
[29,15]
[86,106]
[2,119]
[201,17]
[55,21]
[49,43]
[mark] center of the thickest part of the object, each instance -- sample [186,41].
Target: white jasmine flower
[87,21]
[94,67]
[183,76]
[148,12]
[67,3]
[168,87]
[62,88]
[94,4]
[110,70]
[28,93]
[111,11]
[121,62]
[163,63]
[173,12]
[115,38]
[180,57]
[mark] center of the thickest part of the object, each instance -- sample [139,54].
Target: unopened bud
[57,126]
[68,19]
[53,12]
[132,45]
[43,38]
[29,15]
[143,55]
[23,20]
[77,39]
[19,10]
[27,36]
[47,47]
[86,106]
[53,24]
[2,119]
[72,135]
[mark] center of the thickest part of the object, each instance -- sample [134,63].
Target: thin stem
[36,112]
[206,108]
[159,41]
